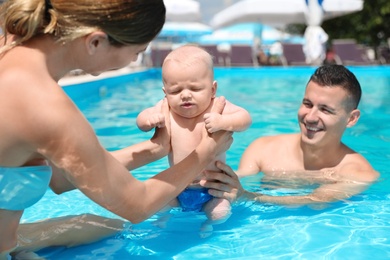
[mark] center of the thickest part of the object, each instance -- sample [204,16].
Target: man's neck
[319,157]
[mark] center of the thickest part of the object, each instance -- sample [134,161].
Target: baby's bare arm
[233,118]
[151,117]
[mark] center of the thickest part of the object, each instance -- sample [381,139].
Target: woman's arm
[140,154]
[74,148]
[131,157]
[66,231]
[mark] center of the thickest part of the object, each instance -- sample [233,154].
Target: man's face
[323,115]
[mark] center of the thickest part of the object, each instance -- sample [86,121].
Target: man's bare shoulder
[355,167]
[275,140]
[267,148]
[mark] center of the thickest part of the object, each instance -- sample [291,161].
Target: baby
[190,90]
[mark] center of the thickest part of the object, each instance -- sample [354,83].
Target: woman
[43,41]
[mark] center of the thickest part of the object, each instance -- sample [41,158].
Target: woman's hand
[224,184]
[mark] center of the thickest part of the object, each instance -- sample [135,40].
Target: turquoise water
[355,229]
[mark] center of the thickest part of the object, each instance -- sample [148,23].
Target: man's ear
[215,86]
[353,117]
[94,41]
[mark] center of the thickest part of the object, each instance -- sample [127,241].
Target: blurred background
[278,32]
[369,26]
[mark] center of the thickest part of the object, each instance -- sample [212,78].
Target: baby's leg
[165,215]
[217,212]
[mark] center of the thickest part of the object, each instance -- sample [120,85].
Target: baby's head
[188,57]
[188,76]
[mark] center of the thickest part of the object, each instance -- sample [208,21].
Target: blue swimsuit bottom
[192,199]
[22,187]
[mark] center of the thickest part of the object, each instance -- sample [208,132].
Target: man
[315,156]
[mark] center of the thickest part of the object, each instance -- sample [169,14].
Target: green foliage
[371,26]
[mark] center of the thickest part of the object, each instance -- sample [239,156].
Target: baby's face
[189,89]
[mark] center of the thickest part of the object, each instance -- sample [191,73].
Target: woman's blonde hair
[124,21]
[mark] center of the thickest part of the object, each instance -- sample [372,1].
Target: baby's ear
[215,86]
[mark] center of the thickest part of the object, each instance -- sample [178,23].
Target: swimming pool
[355,229]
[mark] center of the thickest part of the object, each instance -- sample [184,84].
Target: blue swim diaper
[192,199]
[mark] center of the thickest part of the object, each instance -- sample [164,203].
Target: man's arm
[250,162]
[326,193]
[226,184]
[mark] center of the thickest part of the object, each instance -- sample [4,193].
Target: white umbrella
[280,12]
[225,36]
[182,10]
[183,31]
[316,38]
[246,33]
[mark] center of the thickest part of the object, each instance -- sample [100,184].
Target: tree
[371,26]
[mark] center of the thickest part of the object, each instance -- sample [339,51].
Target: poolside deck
[79,78]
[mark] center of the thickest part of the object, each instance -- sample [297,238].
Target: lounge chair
[242,55]
[383,53]
[347,52]
[158,55]
[293,54]
[218,57]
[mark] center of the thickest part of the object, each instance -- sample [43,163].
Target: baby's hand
[156,120]
[213,122]
[213,119]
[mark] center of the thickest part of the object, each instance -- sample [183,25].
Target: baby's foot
[27,255]
[206,230]
[162,221]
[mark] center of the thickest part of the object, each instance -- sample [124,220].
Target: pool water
[358,228]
